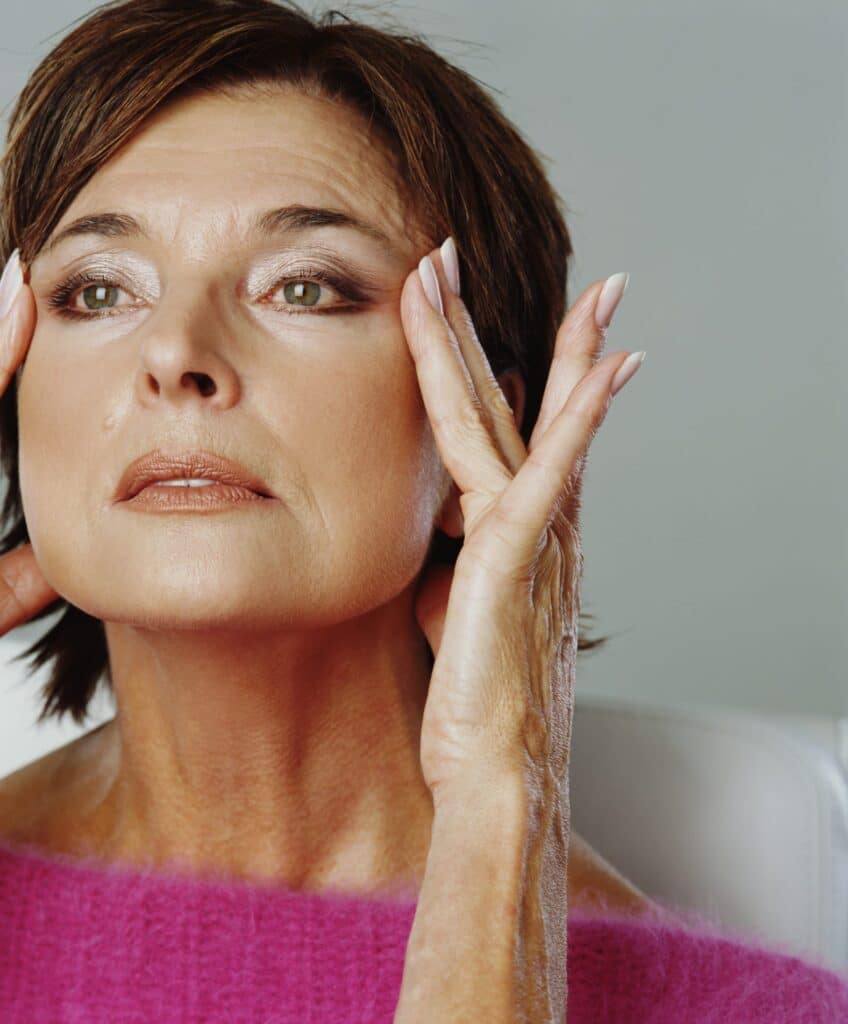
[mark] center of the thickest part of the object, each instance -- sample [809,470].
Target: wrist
[461,956]
[487,801]
[479,947]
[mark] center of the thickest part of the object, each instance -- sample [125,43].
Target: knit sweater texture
[84,942]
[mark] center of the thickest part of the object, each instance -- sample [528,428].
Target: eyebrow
[294,217]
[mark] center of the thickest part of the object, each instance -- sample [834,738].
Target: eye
[314,289]
[303,290]
[302,293]
[99,296]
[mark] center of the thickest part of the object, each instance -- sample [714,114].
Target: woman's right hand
[23,589]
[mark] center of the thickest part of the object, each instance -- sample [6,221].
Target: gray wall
[702,147]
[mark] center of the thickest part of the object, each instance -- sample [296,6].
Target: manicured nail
[450,259]
[614,287]
[10,283]
[623,374]
[431,283]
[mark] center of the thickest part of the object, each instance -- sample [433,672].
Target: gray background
[702,148]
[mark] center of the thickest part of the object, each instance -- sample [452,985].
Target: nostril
[205,383]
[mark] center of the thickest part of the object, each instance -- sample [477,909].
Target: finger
[456,416]
[500,417]
[23,589]
[579,343]
[431,602]
[16,329]
[540,486]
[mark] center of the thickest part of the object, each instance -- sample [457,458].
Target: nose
[186,386]
[184,360]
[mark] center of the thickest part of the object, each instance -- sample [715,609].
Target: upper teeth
[187,482]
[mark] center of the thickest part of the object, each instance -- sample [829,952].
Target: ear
[449,519]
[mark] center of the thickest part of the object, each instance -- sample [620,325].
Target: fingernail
[614,287]
[10,283]
[450,259]
[431,283]
[623,374]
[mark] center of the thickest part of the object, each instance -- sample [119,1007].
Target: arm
[489,939]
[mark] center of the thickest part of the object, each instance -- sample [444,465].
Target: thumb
[431,602]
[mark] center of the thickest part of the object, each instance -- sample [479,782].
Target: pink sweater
[83,942]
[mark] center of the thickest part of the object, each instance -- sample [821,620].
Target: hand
[502,623]
[23,589]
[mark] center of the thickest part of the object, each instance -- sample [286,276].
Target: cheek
[370,457]
[60,460]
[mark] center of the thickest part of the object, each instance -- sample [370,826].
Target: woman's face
[313,388]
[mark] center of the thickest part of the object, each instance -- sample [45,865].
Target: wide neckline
[183,875]
[183,878]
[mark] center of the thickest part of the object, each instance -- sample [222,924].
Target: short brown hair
[471,172]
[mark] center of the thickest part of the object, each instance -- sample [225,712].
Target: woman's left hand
[503,622]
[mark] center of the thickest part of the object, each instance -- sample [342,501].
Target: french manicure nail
[623,374]
[614,287]
[450,259]
[431,283]
[10,283]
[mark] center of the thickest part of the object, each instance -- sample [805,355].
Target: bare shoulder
[42,803]
[595,884]
[30,794]
[17,799]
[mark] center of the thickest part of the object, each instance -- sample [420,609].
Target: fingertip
[430,283]
[413,303]
[614,288]
[627,370]
[450,264]
[11,283]
[18,324]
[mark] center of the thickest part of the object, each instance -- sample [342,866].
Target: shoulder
[31,796]
[20,799]
[595,885]
[41,803]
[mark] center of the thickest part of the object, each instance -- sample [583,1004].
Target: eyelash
[58,300]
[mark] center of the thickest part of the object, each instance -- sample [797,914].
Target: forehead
[218,158]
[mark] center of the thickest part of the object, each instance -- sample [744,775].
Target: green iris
[102,292]
[296,290]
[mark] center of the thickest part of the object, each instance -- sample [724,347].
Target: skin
[269,673]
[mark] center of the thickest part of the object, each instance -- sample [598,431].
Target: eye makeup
[58,298]
[355,292]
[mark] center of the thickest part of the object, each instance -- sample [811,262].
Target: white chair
[737,815]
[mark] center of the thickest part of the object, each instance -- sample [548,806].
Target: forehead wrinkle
[220,215]
[198,229]
[345,154]
[339,167]
[344,178]
[334,145]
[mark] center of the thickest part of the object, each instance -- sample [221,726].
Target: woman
[254,252]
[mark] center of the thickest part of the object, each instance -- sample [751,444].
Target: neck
[291,756]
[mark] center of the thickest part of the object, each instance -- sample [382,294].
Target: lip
[182,465]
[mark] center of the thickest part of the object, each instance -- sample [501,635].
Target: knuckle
[468,418]
[498,403]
